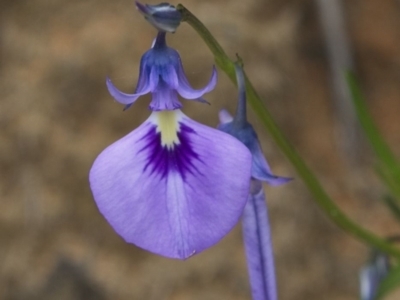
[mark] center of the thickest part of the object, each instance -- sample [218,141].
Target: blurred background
[56,116]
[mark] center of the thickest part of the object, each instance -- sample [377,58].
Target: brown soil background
[56,116]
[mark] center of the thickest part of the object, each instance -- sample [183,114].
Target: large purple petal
[170,77]
[185,89]
[172,186]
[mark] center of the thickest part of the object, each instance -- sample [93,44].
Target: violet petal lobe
[148,80]
[185,89]
[164,98]
[169,75]
[172,186]
[260,169]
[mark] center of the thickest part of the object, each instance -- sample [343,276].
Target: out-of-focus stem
[331,17]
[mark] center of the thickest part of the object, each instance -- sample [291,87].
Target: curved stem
[241,113]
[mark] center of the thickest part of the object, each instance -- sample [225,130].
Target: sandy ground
[56,116]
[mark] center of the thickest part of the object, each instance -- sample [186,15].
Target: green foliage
[390,283]
[393,206]
[388,166]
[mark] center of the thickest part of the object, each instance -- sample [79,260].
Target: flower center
[168,126]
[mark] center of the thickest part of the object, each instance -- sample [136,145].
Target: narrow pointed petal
[172,186]
[260,169]
[245,133]
[120,96]
[185,89]
[258,245]
[202,100]
[148,80]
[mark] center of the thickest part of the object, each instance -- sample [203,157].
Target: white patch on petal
[167,123]
[224,116]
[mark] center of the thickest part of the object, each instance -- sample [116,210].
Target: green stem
[320,196]
[388,164]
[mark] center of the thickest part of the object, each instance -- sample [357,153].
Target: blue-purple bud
[242,130]
[163,16]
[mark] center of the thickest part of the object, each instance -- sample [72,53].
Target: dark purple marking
[162,160]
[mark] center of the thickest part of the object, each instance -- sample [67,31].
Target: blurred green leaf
[320,196]
[389,283]
[389,181]
[389,166]
[393,206]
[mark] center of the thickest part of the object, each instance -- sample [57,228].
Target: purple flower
[256,231]
[172,186]
[161,73]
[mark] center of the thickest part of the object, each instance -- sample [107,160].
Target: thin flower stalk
[256,228]
[258,244]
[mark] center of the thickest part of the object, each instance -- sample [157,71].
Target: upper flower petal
[185,89]
[164,98]
[169,75]
[172,186]
[162,74]
[148,80]
[120,96]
